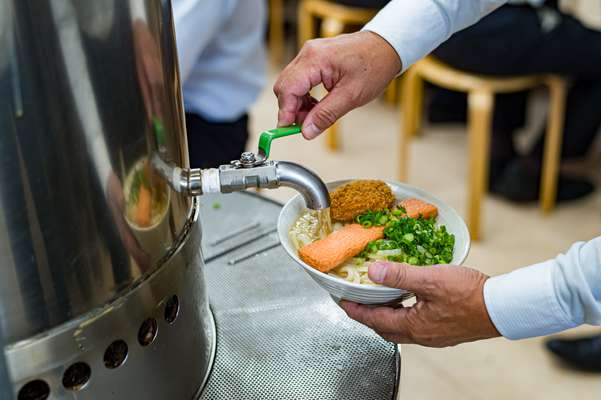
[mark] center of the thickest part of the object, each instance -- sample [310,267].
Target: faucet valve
[237,176]
[251,160]
[250,171]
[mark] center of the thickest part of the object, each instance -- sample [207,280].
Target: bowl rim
[373,288]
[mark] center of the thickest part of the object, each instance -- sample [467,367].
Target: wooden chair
[276,30]
[481,92]
[334,19]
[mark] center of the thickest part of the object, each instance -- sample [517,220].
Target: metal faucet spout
[306,182]
[237,177]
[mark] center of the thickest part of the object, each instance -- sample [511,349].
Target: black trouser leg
[583,119]
[512,41]
[211,144]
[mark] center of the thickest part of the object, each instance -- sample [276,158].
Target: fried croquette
[359,197]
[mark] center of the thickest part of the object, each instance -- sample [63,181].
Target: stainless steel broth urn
[101,277]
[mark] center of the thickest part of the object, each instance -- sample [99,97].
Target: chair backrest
[441,74]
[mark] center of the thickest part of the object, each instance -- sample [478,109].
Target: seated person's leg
[514,41]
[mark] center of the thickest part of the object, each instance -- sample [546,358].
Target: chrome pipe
[306,182]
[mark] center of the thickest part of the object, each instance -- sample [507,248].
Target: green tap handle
[268,136]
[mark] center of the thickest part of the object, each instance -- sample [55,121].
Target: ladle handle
[268,136]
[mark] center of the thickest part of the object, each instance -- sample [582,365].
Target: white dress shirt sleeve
[416,27]
[548,297]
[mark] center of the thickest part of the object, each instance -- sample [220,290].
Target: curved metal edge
[5,382]
[192,219]
[205,379]
[397,380]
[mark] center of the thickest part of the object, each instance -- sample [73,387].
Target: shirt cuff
[412,28]
[523,303]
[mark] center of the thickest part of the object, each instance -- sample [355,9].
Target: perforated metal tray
[279,336]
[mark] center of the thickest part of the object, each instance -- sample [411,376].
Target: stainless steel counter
[280,336]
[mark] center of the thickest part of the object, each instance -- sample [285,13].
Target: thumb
[401,276]
[325,113]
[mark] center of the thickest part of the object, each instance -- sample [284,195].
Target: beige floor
[514,236]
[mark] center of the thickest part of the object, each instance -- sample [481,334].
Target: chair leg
[306,28]
[553,139]
[418,93]
[480,104]
[332,137]
[410,112]
[276,30]
[331,27]
[411,106]
[405,142]
[391,94]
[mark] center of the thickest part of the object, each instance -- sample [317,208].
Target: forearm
[415,28]
[548,297]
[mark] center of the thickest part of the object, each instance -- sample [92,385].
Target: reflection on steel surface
[89,90]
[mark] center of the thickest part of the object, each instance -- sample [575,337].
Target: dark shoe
[520,182]
[496,169]
[582,353]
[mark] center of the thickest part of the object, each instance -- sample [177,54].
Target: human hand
[354,68]
[450,306]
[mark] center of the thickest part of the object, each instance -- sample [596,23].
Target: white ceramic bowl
[368,294]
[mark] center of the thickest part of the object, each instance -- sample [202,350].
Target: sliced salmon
[416,207]
[336,248]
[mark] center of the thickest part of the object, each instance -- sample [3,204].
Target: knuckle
[388,337]
[325,117]
[411,334]
[368,320]
[354,97]
[311,46]
[398,275]
[277,88]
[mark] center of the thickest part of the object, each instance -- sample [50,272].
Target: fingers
[383,320]
[419,280]
[306,71]
[292,90]
[329,110]
[302,107]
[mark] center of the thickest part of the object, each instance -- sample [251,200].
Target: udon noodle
[312,226]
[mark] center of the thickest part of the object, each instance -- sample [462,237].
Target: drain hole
[116,354]
[172,309]
[148,332]
[77,376]
[34,390]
